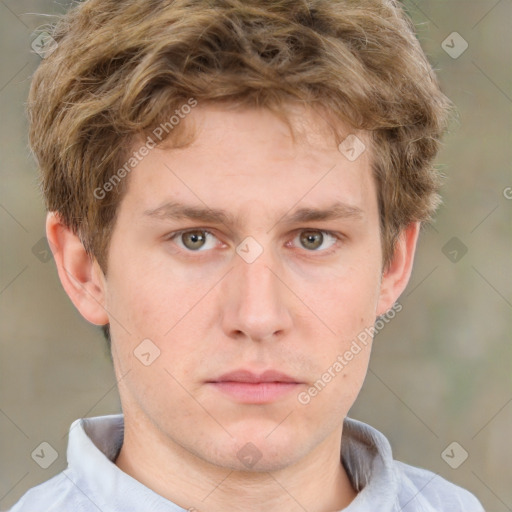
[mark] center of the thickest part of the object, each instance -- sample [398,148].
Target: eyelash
[337,236]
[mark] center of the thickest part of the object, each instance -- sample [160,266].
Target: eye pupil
[308,237]
[196,237]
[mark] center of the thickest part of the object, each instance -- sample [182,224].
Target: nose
[255,301]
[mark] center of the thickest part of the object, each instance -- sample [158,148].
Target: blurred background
[440,382]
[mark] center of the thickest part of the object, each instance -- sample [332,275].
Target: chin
[265,449]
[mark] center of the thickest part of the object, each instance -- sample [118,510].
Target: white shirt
[92,482]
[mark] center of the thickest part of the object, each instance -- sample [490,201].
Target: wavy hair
[122,67]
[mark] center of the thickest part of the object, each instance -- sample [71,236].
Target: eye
[194,240]
[200,240]
[312,239]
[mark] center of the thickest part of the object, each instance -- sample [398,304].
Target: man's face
[255,292]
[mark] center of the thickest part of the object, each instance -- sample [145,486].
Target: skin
[294,309]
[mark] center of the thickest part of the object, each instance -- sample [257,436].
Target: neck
[316,482]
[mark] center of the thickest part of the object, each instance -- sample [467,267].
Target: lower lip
[256,392]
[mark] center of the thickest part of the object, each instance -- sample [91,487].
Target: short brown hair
[123,67]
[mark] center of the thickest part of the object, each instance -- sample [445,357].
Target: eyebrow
[173,210]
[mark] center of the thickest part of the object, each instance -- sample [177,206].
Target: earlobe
[396,276]
[79,273]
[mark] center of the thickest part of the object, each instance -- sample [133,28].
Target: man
[235,190]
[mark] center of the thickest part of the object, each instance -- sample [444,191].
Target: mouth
[244,386]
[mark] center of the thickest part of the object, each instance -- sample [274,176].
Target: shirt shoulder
[55,495]
[421,490]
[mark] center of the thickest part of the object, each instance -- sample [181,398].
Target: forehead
[249,156]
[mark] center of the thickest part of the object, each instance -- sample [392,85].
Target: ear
[79,273]
[396,276]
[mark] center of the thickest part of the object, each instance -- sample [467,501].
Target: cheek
[149,299]
[346,306]
[345,300]
[337,384]
[167,318]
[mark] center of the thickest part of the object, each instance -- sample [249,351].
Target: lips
[244,386]
[253,378]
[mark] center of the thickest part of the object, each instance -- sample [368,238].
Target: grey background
[441,370]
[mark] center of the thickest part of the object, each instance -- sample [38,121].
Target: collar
[95,442]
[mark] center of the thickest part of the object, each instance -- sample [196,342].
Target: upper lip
[254,378]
